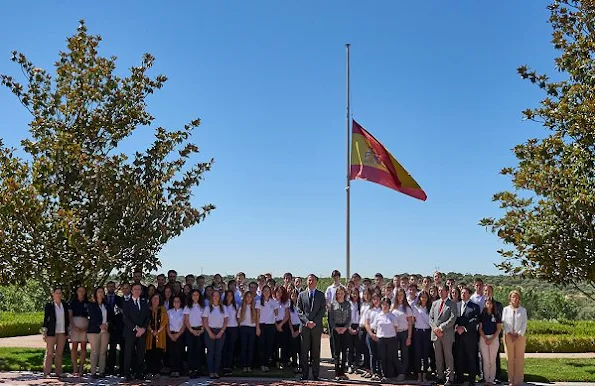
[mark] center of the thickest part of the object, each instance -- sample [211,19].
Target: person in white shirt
[193,321]
[514,322]
[362,336]
[55,332]
[422,336]
[175,336]
[412,294]
[248,319]
[232,332]
[332,289]
[355,304]
[384,327]
[214,320]
[374,310]
[267,309]
[282,333]
[294,329]
[478,296]
[404,314]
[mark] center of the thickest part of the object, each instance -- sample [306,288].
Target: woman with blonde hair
[247,318]
[514,321]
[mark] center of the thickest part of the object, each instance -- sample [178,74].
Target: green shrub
[560,343]
[20,324]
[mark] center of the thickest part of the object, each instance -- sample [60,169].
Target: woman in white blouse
[175,334]
[232,332]
[514,321]
[214,320]
[422,335]
[267,309]
[195,336]
[248,319]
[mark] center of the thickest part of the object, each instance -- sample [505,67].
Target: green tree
[549,220]
[73,208]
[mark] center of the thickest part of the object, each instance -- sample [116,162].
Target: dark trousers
[115,339]
[403,364]
[362,348]
[214,350]
[231,338]
[154,360]
[295,347]
[175,353]
[352,352]
[466,355]
[422,343]
[282,343]
[265,343]
[340,354]
[247,339]
[387,355]
[196,352]
[135,348]
[311,340]
[373,350]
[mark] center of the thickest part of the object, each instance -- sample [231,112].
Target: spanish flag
[372,162]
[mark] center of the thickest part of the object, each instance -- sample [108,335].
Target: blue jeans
[373,350]
[231,338]
[247,339]
[214,350]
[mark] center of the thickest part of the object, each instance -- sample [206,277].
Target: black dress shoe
[128,378]
[304,378]
[140,377]
[315,378]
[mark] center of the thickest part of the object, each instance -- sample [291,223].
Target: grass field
[536,370]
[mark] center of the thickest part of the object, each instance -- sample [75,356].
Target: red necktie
[441,306]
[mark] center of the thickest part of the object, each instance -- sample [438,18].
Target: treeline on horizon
[543,300]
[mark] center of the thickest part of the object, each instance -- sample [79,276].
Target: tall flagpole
[348,186]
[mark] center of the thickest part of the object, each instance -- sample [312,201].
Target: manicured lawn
[536,369]
[557,370]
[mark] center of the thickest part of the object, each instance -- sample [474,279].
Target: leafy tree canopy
[549,220]
[72,208]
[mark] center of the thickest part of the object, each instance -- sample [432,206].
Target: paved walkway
[327,373]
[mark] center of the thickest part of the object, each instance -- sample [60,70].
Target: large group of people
[410,327]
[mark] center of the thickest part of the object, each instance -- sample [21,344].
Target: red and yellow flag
[372,162]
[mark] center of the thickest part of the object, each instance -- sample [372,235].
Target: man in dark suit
[136,319]
[467,337]
[311,309]
[114,305]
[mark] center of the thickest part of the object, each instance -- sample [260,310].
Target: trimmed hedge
[560,343]
[19,324]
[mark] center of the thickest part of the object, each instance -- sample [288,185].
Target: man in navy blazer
[311,309]
[136,319]
[467,337]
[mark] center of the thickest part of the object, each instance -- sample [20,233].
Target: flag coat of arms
[371,161]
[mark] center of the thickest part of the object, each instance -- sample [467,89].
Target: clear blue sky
[434,81]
